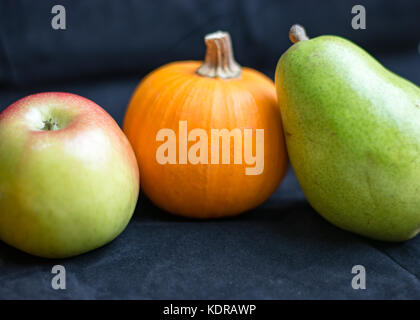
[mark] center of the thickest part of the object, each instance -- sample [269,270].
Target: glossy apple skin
[67,191]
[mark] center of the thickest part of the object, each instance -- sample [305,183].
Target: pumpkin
[196,128]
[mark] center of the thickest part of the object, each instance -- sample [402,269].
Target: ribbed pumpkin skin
[174,93]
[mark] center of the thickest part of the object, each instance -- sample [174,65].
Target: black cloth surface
[283,249]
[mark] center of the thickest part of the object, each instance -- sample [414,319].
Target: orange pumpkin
[180,105]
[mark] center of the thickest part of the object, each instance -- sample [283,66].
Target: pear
[352,129]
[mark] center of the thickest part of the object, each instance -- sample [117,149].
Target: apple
[69,179]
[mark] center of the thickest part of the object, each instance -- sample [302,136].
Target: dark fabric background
[282,249]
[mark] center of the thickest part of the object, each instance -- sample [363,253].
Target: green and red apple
[69,179]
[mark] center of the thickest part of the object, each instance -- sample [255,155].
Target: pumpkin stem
[297,33]
[219,61]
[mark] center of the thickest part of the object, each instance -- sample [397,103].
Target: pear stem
[297,33]
[219,61]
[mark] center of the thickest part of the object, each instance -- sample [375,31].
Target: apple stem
[49,125]
[297,33]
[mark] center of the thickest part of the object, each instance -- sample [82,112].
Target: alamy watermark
[58,282]
[359,20]
[58,22]
[359,280]
[198,153]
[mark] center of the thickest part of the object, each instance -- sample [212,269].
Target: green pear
[352,129]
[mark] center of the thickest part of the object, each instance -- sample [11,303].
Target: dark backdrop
[132,37]
[283,249]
